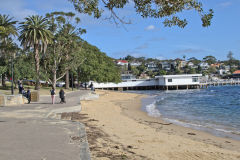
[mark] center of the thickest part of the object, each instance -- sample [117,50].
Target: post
[12,89]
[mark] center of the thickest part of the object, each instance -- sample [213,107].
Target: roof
[123,61]
[236,72]
[180,75]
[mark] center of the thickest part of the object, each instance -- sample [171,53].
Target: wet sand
[117,128]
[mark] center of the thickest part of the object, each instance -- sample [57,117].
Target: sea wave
[152,110]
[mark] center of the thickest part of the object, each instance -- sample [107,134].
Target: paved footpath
[32,132]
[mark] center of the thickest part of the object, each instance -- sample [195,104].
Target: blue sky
[148,37]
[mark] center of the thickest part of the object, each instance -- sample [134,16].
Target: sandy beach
[118,129]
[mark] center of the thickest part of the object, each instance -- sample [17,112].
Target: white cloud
[143,46]
[225,4]
[161,58]
[150,27]
[16,8]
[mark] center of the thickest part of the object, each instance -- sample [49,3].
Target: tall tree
[146,8]
[63,53]
[210,59]
[34,34]
[231,61]
[7,31]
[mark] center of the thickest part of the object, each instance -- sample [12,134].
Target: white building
[204,65]
[135,64]
[178,80]
[126,77]
[158,82]
[152,66]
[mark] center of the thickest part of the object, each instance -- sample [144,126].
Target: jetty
[165,82]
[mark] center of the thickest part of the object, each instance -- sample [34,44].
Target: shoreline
[194,134]
[213,131]
[120,116]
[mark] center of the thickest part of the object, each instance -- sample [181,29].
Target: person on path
[62,96]
[92,87]
[23,92]
[28,95]
[85,84]
[52,92]
[20,88]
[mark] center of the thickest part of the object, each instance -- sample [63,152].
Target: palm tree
[7,30]
[7,27]
[35,34]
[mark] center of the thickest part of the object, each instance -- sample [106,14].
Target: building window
[195,79]
[169,80]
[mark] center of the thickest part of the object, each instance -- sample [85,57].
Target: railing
[221,82]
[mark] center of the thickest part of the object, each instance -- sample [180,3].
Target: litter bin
[34,96]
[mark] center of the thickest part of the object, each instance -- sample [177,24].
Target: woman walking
[52,91]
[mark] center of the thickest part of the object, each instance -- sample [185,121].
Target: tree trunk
[78,82]
[54,78]
[37,62]
[67,80]
[3,80]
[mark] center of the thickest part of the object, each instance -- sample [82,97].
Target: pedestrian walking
[28,95]
[52,92]
[20,88]
[92,87]
[62,96]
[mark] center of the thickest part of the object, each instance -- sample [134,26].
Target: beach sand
[118,129]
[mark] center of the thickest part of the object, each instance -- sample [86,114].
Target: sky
[148,37]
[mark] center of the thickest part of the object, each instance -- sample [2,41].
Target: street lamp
[12,89]
[72,81]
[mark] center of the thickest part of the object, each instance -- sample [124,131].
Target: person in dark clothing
[20,88]
[62,96]
[28,95]
[92,87]
[52,92]
[23,92]
[85,85]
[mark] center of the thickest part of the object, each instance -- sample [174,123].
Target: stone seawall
[11,100]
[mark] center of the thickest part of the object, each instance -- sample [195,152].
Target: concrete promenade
[32,132]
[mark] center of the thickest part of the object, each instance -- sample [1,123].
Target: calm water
[215,110]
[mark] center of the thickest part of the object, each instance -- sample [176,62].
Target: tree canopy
[162,9]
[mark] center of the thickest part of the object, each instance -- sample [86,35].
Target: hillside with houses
[145,68]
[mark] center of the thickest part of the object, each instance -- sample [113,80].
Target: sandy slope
[118,129]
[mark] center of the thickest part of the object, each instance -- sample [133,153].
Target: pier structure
[221,82]
[165,82]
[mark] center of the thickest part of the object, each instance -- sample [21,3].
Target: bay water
[215,109]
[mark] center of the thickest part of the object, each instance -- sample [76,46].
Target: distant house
[216,65]
[227,67]
[126,77]
[191,65]
[144,76]
[122,62]
[152,66]
[165,65]
[236,74]
[135,64]
[182,63]
[204,65]
[223,71]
